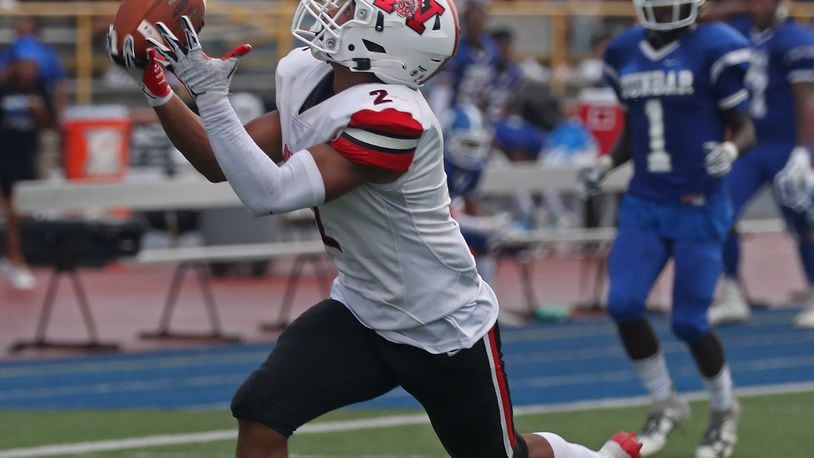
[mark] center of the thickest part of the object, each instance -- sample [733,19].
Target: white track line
[355,425]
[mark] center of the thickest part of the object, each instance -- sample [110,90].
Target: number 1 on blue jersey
[658,160]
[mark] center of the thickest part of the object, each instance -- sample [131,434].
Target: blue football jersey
[780,56]
[674,97]
[461,183]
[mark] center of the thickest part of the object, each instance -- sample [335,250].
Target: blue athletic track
[546,364]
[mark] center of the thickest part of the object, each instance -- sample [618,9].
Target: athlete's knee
[258,441]
[252,403]
[625,306]
[690,329]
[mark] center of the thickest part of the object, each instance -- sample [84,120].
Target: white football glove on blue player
[200,73]
[719,157]
[793,184]
[590,178]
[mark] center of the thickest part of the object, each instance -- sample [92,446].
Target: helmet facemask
[667,14]
[467,142]
[319,23]
[469,149]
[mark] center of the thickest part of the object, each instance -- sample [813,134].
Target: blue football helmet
[467,141]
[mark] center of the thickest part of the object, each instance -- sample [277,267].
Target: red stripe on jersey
[398,124]
[367,155]
[503,386]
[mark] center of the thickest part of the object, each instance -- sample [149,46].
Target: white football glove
[589,179]
[719,157]
[200,73]
[151,80]
[793,184]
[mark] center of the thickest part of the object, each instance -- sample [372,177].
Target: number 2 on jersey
[658,160]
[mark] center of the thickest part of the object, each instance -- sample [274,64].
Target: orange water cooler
[96,142]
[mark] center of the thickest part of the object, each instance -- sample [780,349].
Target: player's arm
[622,150]
[801,92]
[793,183]
[741,129]
[729,91]
[183,127]
[186,131]
[307,179]
[591,177]
[720,155]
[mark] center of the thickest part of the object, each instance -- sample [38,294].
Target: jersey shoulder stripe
[386,139]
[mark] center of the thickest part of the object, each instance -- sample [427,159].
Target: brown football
[137,18]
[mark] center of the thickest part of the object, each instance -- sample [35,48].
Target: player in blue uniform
[682,86]
[781,81]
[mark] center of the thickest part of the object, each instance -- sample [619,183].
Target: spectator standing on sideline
[27,42]
[25,109]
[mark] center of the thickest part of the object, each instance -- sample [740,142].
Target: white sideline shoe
[805,319]
[510,319]
[721,435]
[663,419]
[19,276]
[732,306]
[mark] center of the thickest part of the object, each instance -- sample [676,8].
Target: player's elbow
[257,209]
[749,136]
[212,174]
[212,178]
[259,206]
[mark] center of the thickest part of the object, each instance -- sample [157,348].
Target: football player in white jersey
[354,139]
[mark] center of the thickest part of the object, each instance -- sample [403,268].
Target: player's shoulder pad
[792,35]
[720,38]
[295,62]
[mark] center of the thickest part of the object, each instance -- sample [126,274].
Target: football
[138,18]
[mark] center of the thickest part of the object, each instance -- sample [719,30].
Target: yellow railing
[273,18]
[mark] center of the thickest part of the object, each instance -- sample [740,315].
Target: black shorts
[326,359]
[16,166]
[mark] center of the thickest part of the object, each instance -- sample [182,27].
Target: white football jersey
[405,270]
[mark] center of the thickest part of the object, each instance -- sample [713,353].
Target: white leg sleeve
[262,186]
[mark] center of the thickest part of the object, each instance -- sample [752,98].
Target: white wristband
[731,150]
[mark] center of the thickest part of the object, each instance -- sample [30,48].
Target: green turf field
[772,426]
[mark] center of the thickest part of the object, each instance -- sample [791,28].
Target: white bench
[151,194]
[193,192]
[197,259]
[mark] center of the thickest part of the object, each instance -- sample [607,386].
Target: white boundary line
[355,425]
